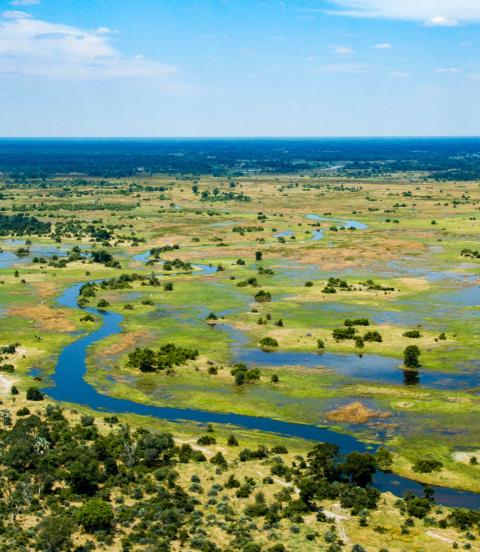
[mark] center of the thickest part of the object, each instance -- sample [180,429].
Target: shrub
[357,322]
[263,296]
[268,343]
[206,440]
[414,334]
[373,337]
[34,394]
[341,334]
[427,465]
[95,515]
[54,534]
[410,356]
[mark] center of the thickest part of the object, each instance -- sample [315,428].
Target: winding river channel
[70,386]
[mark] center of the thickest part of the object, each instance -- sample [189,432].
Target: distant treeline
[440,158]
[20,224]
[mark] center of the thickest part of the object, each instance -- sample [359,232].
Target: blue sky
[239,67]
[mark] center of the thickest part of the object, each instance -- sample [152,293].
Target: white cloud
[440,21]
[15,14]
[450,70]
[24,2]
[383,46]
[431,12]
[399,75]
[35,48]
[342,50]
[104,30]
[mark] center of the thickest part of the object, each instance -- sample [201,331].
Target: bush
[243,375]
[263,296]
[169,355]
[54,534]
[341,334]
[410,356]
[87,421]
[427,465]
[414,334]
[268,343]
[374,337]
[95,515]
[34,394]
[357,322]
[206,440]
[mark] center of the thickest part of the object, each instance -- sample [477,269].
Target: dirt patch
[5,384]
[128,341]
[45,289]
[355,413]
[45,317]
[465,457]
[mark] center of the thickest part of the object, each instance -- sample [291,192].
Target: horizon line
[259,137]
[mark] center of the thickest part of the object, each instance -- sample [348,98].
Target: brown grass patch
[355,413]
[45,317]
[127,341]
[45,289]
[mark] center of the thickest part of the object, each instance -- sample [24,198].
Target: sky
[204,68]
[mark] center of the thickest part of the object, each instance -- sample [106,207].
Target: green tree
[360,468]
[268,343]
[95,515]
[34,394]
[84,473]
[411,355]
[54,534]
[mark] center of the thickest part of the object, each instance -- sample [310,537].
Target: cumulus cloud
[342,50]
[399,75]
[15,14]
[445,13]
[440,21]
[104,30]
[451,70]
[35,48]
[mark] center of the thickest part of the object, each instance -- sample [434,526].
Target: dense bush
[169,355]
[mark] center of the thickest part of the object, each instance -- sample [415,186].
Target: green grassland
[420,260]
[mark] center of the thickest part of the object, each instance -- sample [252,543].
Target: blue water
[317,235]
[9,258]
[201,269]
[142,257]
[346,223]
[70,386]
[369,367]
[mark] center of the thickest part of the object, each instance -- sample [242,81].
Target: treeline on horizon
[440,159]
